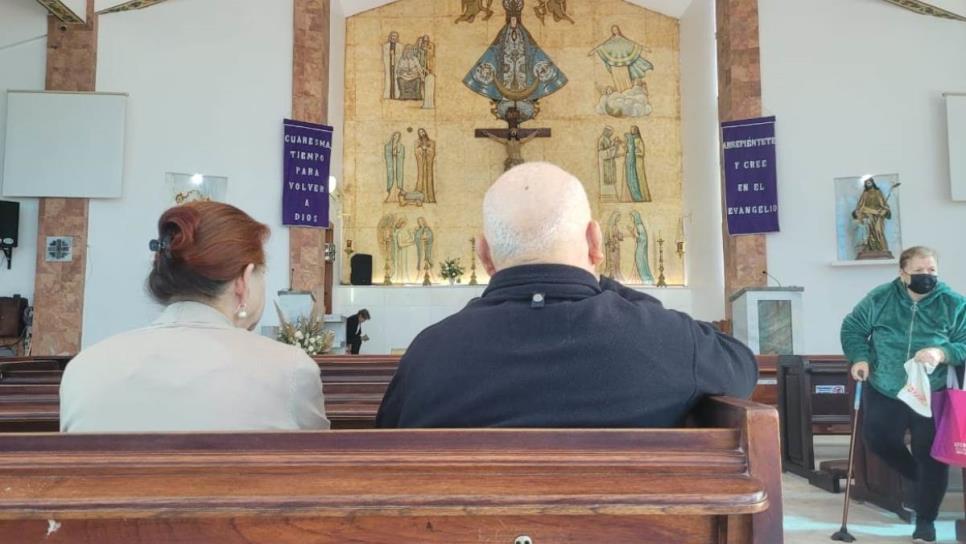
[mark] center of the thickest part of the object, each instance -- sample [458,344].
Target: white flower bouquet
[308,333]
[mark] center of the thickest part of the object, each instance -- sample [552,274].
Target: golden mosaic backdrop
[464,165]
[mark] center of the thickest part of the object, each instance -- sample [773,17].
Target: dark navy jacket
[589,354]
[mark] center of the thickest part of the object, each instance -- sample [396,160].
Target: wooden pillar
[59,291]
[310,103]
[739,97]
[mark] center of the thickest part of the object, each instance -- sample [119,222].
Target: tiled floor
[812,515]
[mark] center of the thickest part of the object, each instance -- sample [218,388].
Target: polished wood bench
[716,483]
[353,384]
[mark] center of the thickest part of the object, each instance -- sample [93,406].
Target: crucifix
[513,137]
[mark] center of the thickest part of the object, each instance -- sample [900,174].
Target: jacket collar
[195,314]
[933,295]
[552,280]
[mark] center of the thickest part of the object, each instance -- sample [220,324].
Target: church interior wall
[857,89]
[208,98]
[23,54]
[209,84]
[702,168]
[465,165]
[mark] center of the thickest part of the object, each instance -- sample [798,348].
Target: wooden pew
[36,408]
[814,398]
[766,392]
[354,386]
[718,483]
[816,394]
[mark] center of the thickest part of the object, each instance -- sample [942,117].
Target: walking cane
[842,535]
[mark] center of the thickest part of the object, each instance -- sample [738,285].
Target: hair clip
[158,246]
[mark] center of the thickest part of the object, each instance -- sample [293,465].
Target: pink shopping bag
[949,413]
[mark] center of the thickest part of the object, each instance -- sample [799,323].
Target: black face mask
[922,284]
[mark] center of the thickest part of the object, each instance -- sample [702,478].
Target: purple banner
[307,150]
[751,179]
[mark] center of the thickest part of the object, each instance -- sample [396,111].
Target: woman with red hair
[198,367]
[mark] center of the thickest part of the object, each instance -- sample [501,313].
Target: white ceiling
[674,8]
[21,20]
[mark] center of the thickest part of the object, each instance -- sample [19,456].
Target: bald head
[537,213]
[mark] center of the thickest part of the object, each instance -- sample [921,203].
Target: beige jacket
[191,370]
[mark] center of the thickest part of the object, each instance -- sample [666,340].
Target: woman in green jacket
[914,316]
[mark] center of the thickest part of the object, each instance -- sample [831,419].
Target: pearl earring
[242,312]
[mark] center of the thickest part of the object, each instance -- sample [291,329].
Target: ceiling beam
[927,8]
[67,11]
[115,6]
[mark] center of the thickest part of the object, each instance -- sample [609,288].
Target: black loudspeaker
[9,223]
[361,269]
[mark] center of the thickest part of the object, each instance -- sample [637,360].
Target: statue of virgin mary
[514,72]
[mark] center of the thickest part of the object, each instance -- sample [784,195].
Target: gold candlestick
[387,280]
[426,282]
[681,239]
[473,261]
[661,280]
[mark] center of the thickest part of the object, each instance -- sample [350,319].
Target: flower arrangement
[451,269]
[308,333]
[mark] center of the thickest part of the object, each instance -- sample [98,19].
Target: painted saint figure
[410,75]
[872,211]
[426,53]
[635,173]
[425,166]
[423,238]
[472,8]
[402,240]
[557,8]
[639,232]
[395,155]
[623,59]
[608,150]
[514,72]
[390,60]
[613,238]
[514,147]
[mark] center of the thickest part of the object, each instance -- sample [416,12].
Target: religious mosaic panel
[443,95]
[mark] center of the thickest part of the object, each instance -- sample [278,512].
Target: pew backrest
[707,484]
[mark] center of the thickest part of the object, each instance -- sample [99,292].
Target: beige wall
[465,166]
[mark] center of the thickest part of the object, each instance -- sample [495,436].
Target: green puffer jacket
[887,329]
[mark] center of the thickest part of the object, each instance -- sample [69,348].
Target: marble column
[59,291]
[739,97]
[310,103]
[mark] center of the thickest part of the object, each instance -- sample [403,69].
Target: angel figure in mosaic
[395,155]
[472,8]
[641,259]
[403,240]
[613,238]
[624,59]
[556,8]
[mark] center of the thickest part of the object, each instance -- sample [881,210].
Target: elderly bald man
[550,343]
